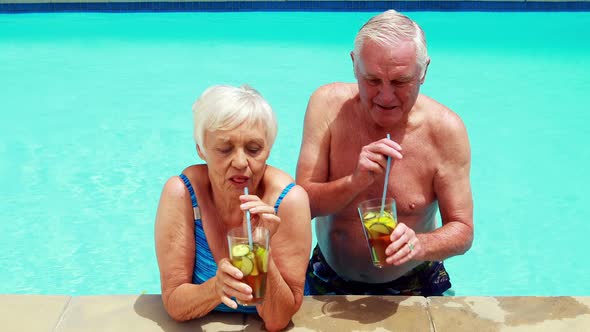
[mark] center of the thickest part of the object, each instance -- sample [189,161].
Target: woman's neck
[227,208]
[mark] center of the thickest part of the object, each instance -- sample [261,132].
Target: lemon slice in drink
[262,259]
[380,228]
[369,216]
[240,250]
[237,262]
[247,266]
[387,221]
[252,258]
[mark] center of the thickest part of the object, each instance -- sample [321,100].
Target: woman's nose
[240,159]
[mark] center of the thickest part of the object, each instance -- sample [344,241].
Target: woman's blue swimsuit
[205,266]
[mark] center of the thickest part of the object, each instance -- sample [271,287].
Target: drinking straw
[248,222]
[386,180]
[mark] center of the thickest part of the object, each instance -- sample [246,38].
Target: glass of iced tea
[378,226]
[251,260]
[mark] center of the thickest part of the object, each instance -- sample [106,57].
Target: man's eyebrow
[405,78]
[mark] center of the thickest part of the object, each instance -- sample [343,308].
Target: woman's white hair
[390,28]
[224,107]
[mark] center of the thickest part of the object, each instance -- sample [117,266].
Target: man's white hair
[390,28]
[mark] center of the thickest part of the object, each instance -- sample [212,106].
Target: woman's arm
[290,247]
[175,250]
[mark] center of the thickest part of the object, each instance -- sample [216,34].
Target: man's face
[388,80]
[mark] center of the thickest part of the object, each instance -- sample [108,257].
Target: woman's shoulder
[175,186]
[196,174]
[277,181]
[195,170]
[275,178]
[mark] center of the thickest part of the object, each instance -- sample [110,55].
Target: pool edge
[145,312]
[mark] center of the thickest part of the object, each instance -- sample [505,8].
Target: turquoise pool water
[96,116]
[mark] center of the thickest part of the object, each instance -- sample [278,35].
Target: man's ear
[353,66]
[201,154]
[425,70]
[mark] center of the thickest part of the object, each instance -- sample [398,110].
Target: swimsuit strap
[282,195]
[188,185]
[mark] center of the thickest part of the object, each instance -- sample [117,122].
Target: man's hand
[373,161]
[404,246]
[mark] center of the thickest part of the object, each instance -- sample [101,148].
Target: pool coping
[145,312]
[117,6]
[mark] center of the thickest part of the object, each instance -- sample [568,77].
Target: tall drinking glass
[378,225]
[252,261]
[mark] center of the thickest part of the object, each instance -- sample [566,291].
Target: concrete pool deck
[114,313]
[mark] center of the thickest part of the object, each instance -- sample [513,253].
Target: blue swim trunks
[427,279]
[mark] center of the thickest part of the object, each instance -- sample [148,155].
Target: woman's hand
[228,284]
[261,214]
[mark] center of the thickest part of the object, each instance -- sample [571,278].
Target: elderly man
[343,161]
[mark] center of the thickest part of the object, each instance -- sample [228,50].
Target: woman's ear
[201,154]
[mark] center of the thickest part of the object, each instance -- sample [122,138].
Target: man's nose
[386,94]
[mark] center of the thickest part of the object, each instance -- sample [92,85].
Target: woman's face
[236,158]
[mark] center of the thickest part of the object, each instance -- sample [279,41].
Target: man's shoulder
[330,99]
[444,125]
[335,91]
[439,115]
[338,86]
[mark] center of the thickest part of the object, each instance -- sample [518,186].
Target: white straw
[249,224]
[386,180]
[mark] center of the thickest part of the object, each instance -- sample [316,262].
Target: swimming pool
[96,116]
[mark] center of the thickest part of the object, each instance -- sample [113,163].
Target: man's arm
[313,168]
[453,190]
[313,165]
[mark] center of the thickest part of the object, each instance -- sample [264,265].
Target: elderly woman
[234,130]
